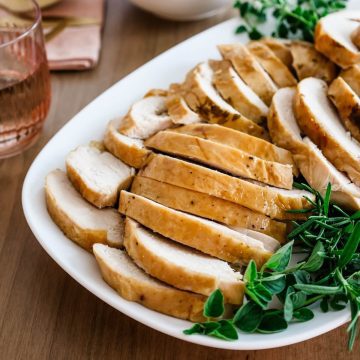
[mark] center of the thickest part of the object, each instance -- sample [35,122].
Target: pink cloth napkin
[75,47]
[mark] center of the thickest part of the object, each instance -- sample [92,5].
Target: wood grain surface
[44,313]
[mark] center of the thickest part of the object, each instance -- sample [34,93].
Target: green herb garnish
[214,308]
[329,273]
[294,19]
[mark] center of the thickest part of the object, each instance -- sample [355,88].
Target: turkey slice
[319,120]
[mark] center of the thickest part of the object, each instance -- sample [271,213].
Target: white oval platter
[89,124]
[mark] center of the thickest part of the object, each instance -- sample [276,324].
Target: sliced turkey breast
[316,169]
[248,127]
[352,77]
[181,266]
[207,206]
[318,119]
[355,37]
[282,124]
[267,200]
[239,140]
[277,70]
[80,221]
[203,98]
[249,70]
[98,175]
[204,235]
[308,62]
[222,157]
[347,103]
[156,92]
[146,117]
[236,92]
[281,48]
[333,37]
[133,284]
[178,109]
[318,172]
[130,151]
[265,239]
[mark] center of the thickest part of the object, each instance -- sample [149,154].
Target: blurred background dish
[20,6]
[183,10]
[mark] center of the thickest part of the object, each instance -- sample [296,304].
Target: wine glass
[24,76]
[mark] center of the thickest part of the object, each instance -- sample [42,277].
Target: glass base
[15,146]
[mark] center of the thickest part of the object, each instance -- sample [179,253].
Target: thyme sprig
[329,272]
[296,19]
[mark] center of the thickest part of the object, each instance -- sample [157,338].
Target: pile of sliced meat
[197,180]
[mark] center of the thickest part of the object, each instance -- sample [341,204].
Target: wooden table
[44,313]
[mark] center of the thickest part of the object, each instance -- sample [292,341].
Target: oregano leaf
[280,260]
[272,323]
[248,317]
[195,329]
[315,260]
[303,314]
[225,331]
[214,305]
[250,273]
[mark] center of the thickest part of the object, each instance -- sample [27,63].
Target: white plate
[89,124]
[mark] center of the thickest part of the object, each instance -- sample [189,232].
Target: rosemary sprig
[294,19]
[329,273]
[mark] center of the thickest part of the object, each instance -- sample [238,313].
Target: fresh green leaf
[288,305]
[241,29]
[302,276]
[267,276]
[248,317]
[244,8]
[272,323]
[327,199]
[259,294]
[210,326]
[280,260]
[338,302]
[262,292]
[350,247]
[255,34]
[315,260]
[301,228]
[205,328]
[251,273]
[303,314]
[290,281]
[214,305]
[355,216]
[324,304]
[195,329]
[299,299]
[275,286]
[225,331]
[350,228]
[283,31]
[253,296]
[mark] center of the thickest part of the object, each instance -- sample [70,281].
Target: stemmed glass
[24,76]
